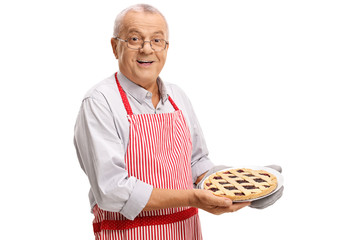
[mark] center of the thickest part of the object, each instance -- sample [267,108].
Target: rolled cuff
[200,167]
[137,201]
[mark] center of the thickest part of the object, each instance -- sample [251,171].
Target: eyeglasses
[138,43]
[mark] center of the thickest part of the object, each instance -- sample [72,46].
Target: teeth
[140,61]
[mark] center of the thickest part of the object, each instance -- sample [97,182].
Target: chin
[146,76]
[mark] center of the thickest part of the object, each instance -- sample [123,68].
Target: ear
[114,44]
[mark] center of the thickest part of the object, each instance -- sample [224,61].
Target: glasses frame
[142,46]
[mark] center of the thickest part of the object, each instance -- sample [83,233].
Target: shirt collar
[138,92]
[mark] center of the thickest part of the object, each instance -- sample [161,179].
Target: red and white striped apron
[158,153]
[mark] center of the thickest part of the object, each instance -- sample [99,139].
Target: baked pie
[241,183]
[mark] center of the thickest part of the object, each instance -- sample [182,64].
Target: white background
[271,82]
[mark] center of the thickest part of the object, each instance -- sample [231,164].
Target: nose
[146,48]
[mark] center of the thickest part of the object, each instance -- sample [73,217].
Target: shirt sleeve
[101,155]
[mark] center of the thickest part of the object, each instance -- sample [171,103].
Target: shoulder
[103,90]
[181,99]
[175,92]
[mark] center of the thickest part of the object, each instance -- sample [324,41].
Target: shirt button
[148,95]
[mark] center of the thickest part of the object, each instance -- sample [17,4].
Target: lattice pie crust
[241,183]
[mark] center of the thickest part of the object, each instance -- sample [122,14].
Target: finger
[220,201]
[235,207]
[240,205]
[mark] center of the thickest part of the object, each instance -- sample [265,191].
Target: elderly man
[140,144]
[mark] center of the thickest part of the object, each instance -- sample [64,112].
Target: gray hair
[118,25]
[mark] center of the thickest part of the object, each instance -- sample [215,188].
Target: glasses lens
[135,42]
[158,44]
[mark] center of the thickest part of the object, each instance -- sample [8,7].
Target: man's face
[144,26]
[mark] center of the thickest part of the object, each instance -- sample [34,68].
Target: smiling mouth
[144,63]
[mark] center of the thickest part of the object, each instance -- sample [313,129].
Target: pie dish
[241,184]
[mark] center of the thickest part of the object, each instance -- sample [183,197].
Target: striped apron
[158,153]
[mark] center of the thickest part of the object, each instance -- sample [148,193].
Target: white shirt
[102,135]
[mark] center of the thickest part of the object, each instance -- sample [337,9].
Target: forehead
[144,23]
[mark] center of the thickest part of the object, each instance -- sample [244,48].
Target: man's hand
[203,199]
[207,201]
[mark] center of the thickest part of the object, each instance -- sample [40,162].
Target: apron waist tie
[144,221]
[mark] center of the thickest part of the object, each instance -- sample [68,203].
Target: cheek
[162,57]
[127,58]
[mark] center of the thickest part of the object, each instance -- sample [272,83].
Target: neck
[154,89]
[150,86]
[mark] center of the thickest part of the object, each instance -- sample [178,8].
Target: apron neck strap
[173,103]
[123,97]
[126,101]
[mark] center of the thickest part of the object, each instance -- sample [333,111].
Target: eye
[134,39]
[157,40]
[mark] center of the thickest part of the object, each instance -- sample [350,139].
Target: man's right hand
[203,199]
[207,201]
